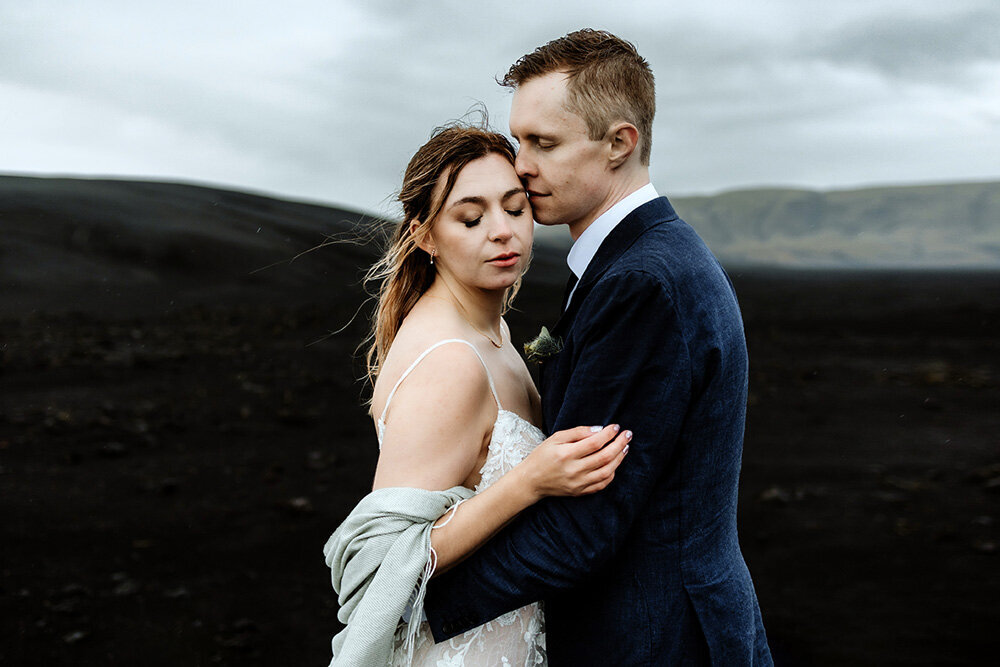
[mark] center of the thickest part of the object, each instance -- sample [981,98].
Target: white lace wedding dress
[516,638]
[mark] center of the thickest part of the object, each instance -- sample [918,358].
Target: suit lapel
[647,216]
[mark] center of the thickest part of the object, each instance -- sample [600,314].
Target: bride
[455,412]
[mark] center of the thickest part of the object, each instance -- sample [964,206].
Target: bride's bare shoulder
[425,326]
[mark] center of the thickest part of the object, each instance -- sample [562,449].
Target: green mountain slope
[923,226]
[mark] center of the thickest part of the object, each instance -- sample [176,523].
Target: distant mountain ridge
[931,226]
[101,243]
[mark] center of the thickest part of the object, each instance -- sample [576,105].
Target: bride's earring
[432,256]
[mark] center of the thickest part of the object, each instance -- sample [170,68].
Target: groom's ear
[624,138]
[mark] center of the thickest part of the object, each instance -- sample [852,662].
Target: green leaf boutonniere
[543,346]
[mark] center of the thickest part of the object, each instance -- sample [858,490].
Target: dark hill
[127,246]
[135,247]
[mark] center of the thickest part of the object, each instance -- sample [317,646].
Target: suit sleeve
[631,367]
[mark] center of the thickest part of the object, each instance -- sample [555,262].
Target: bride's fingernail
[616,427]
[628,437]
[625,451]
[595,429]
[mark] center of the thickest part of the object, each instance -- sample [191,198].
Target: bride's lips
[506,259]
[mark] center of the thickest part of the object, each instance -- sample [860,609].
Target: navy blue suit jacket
[648,571]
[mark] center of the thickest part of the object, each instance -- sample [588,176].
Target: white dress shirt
[585,247]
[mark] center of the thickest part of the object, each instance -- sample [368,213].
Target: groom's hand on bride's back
[576,461]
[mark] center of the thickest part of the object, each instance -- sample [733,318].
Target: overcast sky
[326,100]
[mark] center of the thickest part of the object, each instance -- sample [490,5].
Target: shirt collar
[585,247]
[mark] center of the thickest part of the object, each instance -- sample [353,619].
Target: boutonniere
[543,346]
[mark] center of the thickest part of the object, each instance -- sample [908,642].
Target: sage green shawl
[378,557]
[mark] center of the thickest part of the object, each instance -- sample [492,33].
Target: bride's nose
[500,229]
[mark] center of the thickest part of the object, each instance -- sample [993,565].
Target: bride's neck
[482,308]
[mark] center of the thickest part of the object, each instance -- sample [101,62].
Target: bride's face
[482,236]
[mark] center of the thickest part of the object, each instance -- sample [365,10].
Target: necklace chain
[485,335]
[461,311]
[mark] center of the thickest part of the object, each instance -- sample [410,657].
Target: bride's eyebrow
[468,200]
[476,199]
[513,191]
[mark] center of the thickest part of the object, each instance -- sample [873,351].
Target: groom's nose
[524,166]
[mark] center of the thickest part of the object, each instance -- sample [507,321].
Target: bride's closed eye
[516,213]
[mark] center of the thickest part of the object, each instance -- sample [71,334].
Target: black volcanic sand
[168,481]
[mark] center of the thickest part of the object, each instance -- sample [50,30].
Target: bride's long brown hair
[404,272]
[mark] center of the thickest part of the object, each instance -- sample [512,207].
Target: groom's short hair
[607,81]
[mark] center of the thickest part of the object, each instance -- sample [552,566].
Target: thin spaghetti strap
[489,376]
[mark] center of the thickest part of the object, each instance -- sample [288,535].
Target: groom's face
[566,173]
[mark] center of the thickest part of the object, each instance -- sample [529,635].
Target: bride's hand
[575,462]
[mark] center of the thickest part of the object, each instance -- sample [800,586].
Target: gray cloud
[327,100]
[925,48]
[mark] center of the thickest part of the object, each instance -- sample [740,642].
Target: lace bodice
[513,439]
[518,637]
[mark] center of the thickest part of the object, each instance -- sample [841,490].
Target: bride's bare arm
[569,463]
[437,425]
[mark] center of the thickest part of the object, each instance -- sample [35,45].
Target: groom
[648,571]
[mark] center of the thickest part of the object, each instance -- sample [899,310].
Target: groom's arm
[632,368]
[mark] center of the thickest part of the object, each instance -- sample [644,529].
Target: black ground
[168,480]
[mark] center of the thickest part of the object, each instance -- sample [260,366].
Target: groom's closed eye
[543,143]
